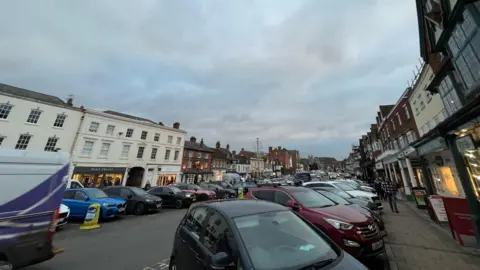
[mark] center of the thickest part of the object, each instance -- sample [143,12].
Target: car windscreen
[176,189]
[96,193]
[334,197]
[138,191]
[214,186]
[344,187]
[310,198]
[340,193]
[194,187]
[281,240]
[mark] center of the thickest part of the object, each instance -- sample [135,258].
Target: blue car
[79,199]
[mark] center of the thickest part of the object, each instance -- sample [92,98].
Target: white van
[231,178]
[73,184]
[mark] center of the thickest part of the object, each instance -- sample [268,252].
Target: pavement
[131,242]
[416,242]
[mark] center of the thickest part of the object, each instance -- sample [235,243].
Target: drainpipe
[74,144]
[464,176]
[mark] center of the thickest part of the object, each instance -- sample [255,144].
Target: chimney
[218,145]
[243,149]
[234,152]
[279,148]
[70,101]
[161,124]
[192,139]
[201,143]
[228,147]
[270,149]
[176,125]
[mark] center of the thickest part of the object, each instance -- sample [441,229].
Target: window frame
[49,147]
[23,145]
[5,110]
[92,124]
[33,118]
[61,118]
[91,149]
[142,148]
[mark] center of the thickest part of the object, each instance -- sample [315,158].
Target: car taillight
[53,223]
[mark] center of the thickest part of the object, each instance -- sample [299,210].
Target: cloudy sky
[303,74]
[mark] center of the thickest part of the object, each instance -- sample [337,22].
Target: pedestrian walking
[390,190]
[379,189]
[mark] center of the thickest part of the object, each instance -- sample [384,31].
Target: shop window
[87,148]
[110,130]
[156,137]
[93,127]
[129,133]
[51,144]
[23,142]
[60,120]
[170,139]
[141,149]
[5,109]
[34,116]
[472,158]
[144,135]
[167,154]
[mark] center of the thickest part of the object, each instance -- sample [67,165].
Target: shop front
[167,175]
[218,174]
[99,176]
[195,176]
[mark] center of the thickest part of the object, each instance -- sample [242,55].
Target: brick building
[197,162]
[222,160]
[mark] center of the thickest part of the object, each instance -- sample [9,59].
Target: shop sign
[438,207]
[99,170]
[168,170]
[459,217]
[465,143]
[432,146]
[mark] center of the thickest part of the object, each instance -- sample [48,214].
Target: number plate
[121,209]
[159,205]
[377,245]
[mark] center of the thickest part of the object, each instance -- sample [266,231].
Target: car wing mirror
[293,205]
[221,261]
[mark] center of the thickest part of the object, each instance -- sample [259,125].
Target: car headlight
[339,224]
[188,195]
[149,201]
[105,205]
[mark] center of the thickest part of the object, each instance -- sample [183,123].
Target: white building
[36,121]
[257,166]
[116,148]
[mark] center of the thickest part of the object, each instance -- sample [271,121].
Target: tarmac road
[131,242]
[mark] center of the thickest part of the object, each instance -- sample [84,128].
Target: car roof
[84,189]
[240,207]
[288,188]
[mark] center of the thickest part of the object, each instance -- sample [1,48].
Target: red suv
[201,194]
[355,232]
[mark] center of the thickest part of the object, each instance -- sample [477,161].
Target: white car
[349,189]
[64,214]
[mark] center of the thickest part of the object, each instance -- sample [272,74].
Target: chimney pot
[193,139]
[234,152]
[161,124]
[228,147]
[243,149]
[70,101]
[218,145]
[201,143]
[176,125]
[270,149]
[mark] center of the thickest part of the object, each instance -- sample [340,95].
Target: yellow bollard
[91,219]
[240,193]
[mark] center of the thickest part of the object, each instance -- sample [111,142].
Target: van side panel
[29,194]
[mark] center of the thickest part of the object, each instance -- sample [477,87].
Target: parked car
[223,184]
[173,196]
[349,189]
[359,185]
[200,193]
[243,185]
[220,192]
[356,233]
[362,202]
[79,199]
[64,213]
[247,234]
[364,210]
[138,200]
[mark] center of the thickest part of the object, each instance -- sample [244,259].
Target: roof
[24,93]
[196,146]
[237,207]
[385,109]
[129,116]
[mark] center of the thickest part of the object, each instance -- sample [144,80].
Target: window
[410,138]
[207,155]
[177,153]
[80,196]
[23,141]
[195,219]
[282,198]
[110,130]
[216,234]
[51,144]
[129,133]
[1,140]
[125,150]
[189,165]
[267,195]
[34,116]
[156,137]
[144,135]
[179,140]
[104,150]
[190,154]
[170,139]
[422,105]
[167,154]
[141,149]
[429,97]
[153,155]
[449,96]
[94,127]
[399,119]
[5,110]
[60,120]
[393,124]
[87,148]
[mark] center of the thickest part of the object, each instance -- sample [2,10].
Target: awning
[386,156]
[406,152]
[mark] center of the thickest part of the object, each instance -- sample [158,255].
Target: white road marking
[161,265]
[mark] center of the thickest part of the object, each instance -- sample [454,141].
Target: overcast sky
[305,75]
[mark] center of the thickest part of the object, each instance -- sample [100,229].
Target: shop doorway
[135,177]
